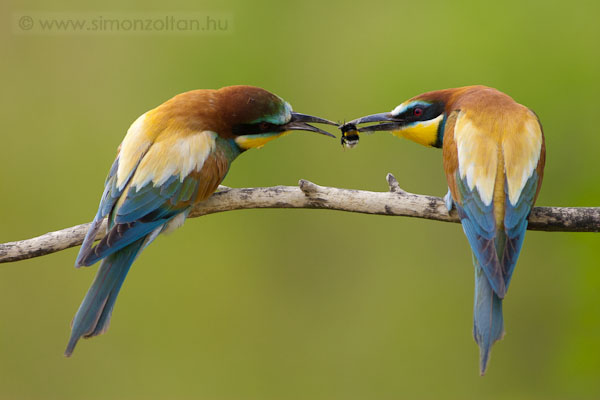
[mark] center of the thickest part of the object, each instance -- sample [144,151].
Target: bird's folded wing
[524,153]
[479,226]
[174,172]
[515,224]
[471,163]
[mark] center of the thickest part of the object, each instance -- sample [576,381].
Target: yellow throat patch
[256,141]
[424,132]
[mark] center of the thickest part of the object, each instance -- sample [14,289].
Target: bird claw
[448,201]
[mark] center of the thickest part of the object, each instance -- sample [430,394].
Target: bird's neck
[229,148]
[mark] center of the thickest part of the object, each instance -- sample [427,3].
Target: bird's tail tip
[71,346]
[485,352]
[93,316]
[484,357]
[485,344]
[488,323]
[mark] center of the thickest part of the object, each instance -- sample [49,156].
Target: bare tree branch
[396,202]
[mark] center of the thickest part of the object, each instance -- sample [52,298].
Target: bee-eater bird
[493,154]
[172,157]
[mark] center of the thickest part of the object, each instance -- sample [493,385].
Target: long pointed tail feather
[488,323]
[93,316]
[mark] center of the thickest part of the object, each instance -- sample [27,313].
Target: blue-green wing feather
[142,212]
[479,226]
[515,224]
[109,197]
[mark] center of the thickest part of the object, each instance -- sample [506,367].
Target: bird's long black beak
[385,122]
[300,122]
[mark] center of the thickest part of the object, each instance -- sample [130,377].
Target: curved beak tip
[298,117]
[301,122]
[383,122]
[381,117]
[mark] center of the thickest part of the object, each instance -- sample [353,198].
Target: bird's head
[420,119]
[252,116]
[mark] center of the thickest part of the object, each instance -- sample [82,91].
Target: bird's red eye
[264,126]
[417,112]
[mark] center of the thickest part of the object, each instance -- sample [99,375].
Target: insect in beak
[350,136]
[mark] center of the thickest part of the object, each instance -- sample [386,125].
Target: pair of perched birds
[177,154]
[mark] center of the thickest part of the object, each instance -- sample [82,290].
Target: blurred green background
[299,304]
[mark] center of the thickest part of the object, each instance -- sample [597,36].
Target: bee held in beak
[349,138]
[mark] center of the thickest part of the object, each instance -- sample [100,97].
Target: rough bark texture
[396,202]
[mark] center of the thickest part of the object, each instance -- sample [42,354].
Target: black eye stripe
[255,129]
[428,111]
